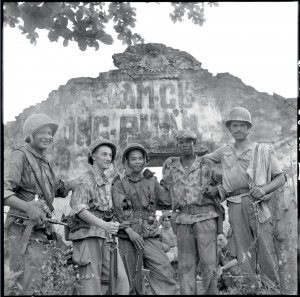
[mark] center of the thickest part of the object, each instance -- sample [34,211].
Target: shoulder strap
[125,184]
[255,163]
[200,172]
[40,184]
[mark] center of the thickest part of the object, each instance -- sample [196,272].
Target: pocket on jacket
[228,160]
[81,253]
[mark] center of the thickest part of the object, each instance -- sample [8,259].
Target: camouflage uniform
[196,223]
[19,180]
[91,244]
[135,210]
[243,215]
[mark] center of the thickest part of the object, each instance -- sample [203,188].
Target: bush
[59,276]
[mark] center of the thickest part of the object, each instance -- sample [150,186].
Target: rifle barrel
[52,221]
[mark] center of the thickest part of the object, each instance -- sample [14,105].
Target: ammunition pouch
[75,223]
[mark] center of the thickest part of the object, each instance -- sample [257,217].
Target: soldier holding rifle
[30,186]
[94,246]
[135,201]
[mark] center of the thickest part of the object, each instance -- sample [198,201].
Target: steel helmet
[134,146]
[239,114]
[36,121]
[99,142]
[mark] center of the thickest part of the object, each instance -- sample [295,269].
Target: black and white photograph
[150,148]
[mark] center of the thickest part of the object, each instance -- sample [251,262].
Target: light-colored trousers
[253,242]
[93,258]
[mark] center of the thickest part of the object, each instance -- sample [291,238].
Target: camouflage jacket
[187,189]
[92,192]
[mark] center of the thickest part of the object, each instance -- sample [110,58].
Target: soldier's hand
[111,227]
[257,192]
[147,173]
[220,271]
[135,238]
[211,191]
[35,212]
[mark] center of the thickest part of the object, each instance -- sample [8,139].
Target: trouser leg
[162,276]
[187,259]
[206,233]
[88,254]
[128,255]
[243,237]
[265,256]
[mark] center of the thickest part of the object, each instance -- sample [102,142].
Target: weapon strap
[40,185]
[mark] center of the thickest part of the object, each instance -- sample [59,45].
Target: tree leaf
[106,39]
[45,11]
[12,9]
[55,6]
[66,42]
[69,13]
[79,15]
[29,24]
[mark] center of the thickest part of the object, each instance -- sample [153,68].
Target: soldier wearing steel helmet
[250,173]
[91,202]
[30,186]
[135,201]
[190,181]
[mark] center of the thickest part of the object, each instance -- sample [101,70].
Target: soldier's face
[42,138]
[166,222]
[186,146]
[136,161]
[222,241]
[102,157]
[239,130]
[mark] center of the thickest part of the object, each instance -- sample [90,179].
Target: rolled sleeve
[275,166]
[80,198]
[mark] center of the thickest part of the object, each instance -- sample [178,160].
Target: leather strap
[44,195]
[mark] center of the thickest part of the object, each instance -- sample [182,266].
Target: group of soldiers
[124,211]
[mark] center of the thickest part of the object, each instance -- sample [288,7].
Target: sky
[255,41]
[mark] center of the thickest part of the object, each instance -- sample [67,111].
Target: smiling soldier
[250,171]
[30,186]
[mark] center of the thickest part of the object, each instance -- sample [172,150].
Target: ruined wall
[156,91]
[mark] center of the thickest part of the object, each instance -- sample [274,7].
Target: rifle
[138,273]
[113,268]
[220,211]
[52,221]
[29,227]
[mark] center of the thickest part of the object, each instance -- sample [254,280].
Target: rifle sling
[40,185]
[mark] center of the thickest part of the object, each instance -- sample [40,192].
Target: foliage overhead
[85,22]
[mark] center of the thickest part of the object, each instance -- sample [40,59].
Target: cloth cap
[185,134]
